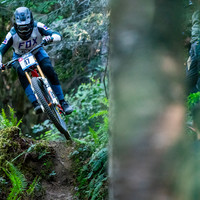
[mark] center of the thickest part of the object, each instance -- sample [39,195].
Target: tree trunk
[147,95]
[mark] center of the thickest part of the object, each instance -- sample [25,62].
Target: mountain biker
[25,35]
[193,63]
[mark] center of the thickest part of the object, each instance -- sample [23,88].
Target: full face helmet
[23,22]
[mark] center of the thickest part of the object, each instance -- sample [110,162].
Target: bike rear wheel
[51,109]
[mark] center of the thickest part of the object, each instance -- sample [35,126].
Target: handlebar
[8,64]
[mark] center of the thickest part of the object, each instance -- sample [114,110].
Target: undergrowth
[90,157]
[8,121]
[18,178]
[192,101]
[89,99]
[19,183]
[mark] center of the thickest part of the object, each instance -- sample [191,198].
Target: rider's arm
[45,31]
[6,44]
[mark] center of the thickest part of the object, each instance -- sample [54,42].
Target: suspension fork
[28,77]
[29,80]
[40,72]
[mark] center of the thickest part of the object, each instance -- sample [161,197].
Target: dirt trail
[61,187]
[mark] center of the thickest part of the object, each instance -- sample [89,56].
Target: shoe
[37,107]
[66,107]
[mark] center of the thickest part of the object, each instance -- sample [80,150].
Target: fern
[13,119]
[31,188]
[100,113]
[98,158]
[193,99]
[17,179]
[19,183]
[9,121]
[4,120]
[94,135]
[96,186]
[92,178]
[79,141]
[98,163]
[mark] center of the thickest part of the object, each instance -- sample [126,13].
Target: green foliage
[89,99]
[46,131]
[19,183]
[91,157]
[39,148]
[82,51]
[88,29]
[36,6]
[29,150]
[8,121]
[33,185]
[193,99]
[17,179]
[9,147]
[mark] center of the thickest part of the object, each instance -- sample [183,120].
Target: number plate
[27,61]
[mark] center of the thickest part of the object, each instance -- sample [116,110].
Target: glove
[47,40]
[2,67]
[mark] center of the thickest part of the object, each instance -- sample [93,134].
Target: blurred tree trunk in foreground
[150,158]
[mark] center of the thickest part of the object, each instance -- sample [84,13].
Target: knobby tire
[51,111]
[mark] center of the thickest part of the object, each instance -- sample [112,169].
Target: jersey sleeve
[6,44]
[45,31]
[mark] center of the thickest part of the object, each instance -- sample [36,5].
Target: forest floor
[46,161]
[61,187]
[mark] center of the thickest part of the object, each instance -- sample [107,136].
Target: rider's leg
[27,87]
[46,66]
[197,49]
[192,71]
[49,72]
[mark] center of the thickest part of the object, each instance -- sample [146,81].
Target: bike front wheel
[51,109]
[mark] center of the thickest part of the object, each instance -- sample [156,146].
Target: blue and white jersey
[22,46]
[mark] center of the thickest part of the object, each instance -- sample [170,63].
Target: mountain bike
[42,89]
